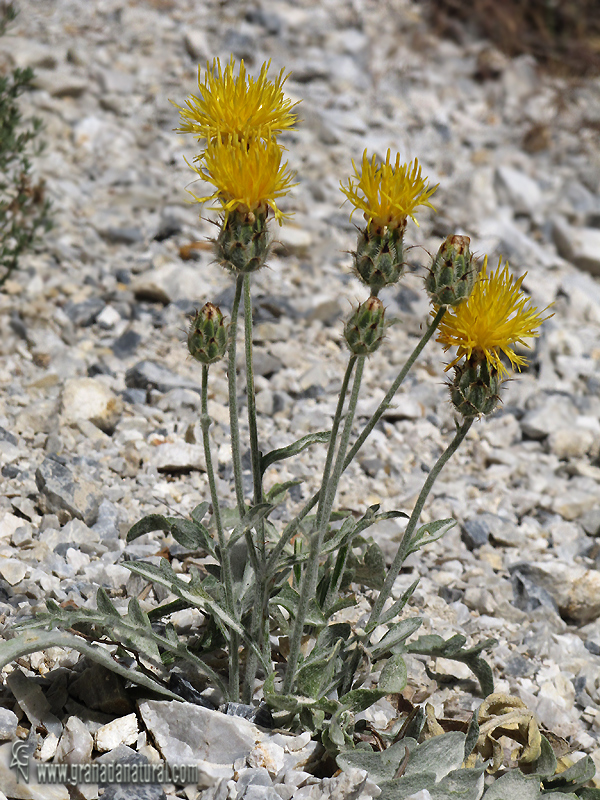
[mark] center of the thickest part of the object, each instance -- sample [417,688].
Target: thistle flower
[495,317]
[247,175]
[387,193]
[239,107]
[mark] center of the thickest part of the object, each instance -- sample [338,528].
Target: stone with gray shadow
[31,699]
[107,524]
[149,375]
[84,314]
[20,790]
[579,245]
[574,589]
[518,189]
[64,494]
[8,724]
[590,521]
[189,734]
[474,533]
[99,688]
[551,414]
[76,743]
[129,791]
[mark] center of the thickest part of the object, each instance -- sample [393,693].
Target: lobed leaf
[429,533]
[190,534]
[29,642]
[322,437]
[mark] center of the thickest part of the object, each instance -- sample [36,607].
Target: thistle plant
[271,592]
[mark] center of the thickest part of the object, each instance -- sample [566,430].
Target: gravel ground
[100,405]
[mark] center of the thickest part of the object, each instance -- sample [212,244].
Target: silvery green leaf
[393,676]
[472,734]
[406,786]
[284,702]
[381,766]
[30,642]
[195,595]
[252,518]
[321,437]
[329,635]
[434,645]
[440,755]
[574,777]
[104,604]
[361,699]
[372,571]
[395,609]
[199,512]
[514,785]
[344,602]
[460,784]
[277,492]
[152,522]
[190,534]
[429,533]
[313,677]
[397,634]
[340,536]
[288,598]
[545,765]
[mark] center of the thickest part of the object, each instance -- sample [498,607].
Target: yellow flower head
[388,193]
[496,316]
[237,107]
[247,175]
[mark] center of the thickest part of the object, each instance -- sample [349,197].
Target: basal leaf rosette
[496,316]
[387,193]
[235,107]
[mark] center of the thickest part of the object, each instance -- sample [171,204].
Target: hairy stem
[292,527]
[309,579]
[233,404]
[205,422]
[404,547]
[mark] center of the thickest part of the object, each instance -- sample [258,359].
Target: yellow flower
[239,107]
[247,175]
[388,193]
[495,317]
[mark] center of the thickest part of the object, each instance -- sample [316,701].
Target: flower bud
[378,260]
[474,390]
[452,274]
[243,242]
[208,335]
[365,329]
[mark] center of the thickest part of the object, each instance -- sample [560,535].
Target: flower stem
[293,526]
[385,403]
[259,620]
[251,395]
[327,495]
[404,547]
[205,422]
[236,455]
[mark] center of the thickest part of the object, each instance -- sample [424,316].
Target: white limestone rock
[90,399]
